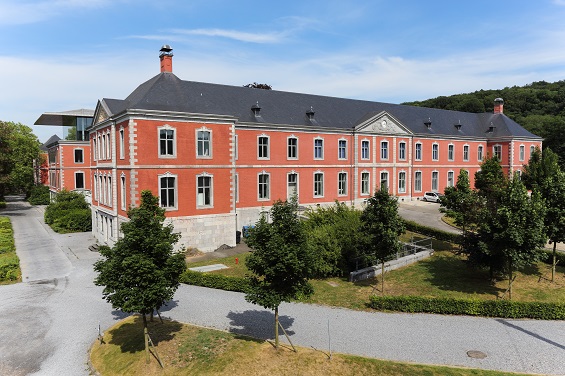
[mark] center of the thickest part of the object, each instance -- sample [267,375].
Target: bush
[39,195]
[214,281]
[2,204]
[547,257]
[69,212]
[434,233]
[470,307]
[10,269]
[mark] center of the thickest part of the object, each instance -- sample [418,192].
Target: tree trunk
[146,337]
[554,261]
[510,280]
[277,328]
[383,277]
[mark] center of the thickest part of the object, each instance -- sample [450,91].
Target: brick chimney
[499,106]
[166,57]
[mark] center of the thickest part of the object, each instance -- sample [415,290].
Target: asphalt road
[425,213]
[48,323]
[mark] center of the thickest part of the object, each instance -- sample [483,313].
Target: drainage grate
[476,354]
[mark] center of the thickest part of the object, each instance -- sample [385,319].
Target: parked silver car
[432,197]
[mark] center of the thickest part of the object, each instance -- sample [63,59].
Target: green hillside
[539,107]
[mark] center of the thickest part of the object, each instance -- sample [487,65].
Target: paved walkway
[48,324]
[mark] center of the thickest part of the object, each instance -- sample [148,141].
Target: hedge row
[9,262]
[548,257]
[9,268]
[215,281]
[433,232]
[471,307]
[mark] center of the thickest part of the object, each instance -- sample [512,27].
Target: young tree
[514,232]
[141,272]
[461,203]
[490,182]
[281,262]
[382,226]
[543,173]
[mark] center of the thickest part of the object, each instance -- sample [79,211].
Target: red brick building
[218,155]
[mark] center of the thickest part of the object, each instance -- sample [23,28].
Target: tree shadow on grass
[129,336]
[258,324]
[450,273]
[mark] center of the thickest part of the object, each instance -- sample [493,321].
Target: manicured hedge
[471,307]
[39,195]
[433,232]
[215,281]
[548,257]
[9,261]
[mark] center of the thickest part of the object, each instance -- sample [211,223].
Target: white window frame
[83,179]
[173,142]
[236,146]
[203,141]
[450,152]
[267,196]
[122,144]
[75,155]
[95,188]
[480,153]
[320,155]
[108,146]
[532,149]
[94,149]
[418,181]
[342,185]
[435,151]
[318,186]
[466,153]
[174,188]
[110,192]
[385,175]
[402,182]
[210,187]
[450,178]
[288,195]
[365,149]
[263,148]
[522,155]
[342,149]
[435,180]
[402,150]
[384,150]
[292,150]
[418,151]
[365,183]
[497,151]
[123,191]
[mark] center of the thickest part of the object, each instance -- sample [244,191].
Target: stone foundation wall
[207,232]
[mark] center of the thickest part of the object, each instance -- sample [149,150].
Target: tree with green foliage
[141,272]
[490,182]
[281,262]
[461,203]
[542,173]
[382,226]
[334,234]
[513,233]
[69,212]
[19,148]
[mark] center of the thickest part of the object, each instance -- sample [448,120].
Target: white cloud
[235,35]
[25,12]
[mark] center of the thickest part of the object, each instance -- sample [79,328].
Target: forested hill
[539,107]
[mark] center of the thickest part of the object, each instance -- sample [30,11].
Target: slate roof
[166,92]
[52,140]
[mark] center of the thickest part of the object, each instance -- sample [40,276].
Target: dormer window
[428,123]
[458,125]
[310,113]
[255,108]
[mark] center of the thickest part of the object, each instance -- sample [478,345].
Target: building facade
[218,156]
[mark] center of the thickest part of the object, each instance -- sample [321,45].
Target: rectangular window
[79,156]
[532,149]
[292,148]
[108,154]
[110,200]
[94,149]
[123,192]
[384,149]
[466,152]
[522,152]
[450,182]
[342,149]
[122,145]
[401,182]
[497,151]
[435,182]
[365,149]
[79,180]
[204,193]
[263,147]
[166,142]
[318,148]
[167,191]
[100,147]
[342,183]
[435,152]
[263,186]
[292,185]
[365,189]
[450,152]
[418,181]
[480,153]
[384,180]
[203,144]
[402,151]
[318,184]
[418,152]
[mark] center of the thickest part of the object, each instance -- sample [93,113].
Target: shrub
[2,204]
[471,307]
[39,195]
[547,257]
[214,281]
[69,212]
[434,233]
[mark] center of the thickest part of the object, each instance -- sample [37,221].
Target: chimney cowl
[166,58]
[499,106]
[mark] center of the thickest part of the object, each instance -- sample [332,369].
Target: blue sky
[66,54]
